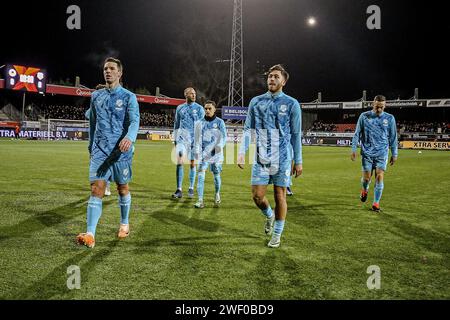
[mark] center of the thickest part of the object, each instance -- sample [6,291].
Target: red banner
[73,91]
[2,83]
[9,124]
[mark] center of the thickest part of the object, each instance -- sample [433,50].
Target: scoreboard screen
[23,78]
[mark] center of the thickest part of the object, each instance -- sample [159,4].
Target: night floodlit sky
[338,55]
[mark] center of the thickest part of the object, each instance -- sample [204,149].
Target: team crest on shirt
[385,122]
[194,111]
[215,125]
[283,109]
[119,104]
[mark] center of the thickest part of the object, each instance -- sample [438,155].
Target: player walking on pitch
[210,138]
[377,132]
[186,115]
[113,128]
[275,118]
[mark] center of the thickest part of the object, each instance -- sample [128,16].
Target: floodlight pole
[235,86]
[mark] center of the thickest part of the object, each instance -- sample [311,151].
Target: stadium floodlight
[311,21]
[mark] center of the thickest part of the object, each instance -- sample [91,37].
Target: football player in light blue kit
[186,115]
[210,138]
[376,130]
[275,119]
[113,128]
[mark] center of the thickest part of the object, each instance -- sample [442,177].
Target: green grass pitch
[178,252]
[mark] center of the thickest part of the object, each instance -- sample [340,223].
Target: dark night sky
[339,57]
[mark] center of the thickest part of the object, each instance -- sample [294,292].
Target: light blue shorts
[278,175]
[120,172]
[185,149]
[369,163]
[215,168]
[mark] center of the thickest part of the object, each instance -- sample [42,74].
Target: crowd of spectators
[65,112]
[423,127]
[320,126]
[153,119]
[149,119]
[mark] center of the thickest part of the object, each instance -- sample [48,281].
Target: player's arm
[296,139]
[393,142]
[176,125]
[356,137]
[87,113]
[246,137]
[133,128]
[92,119]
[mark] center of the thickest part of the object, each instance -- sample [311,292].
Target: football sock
[268,212]
[365,184]
[200,184]
[379,186]
[125,205]
[278,227]
[180,173]
[192,173]
[217,182]
[94,211]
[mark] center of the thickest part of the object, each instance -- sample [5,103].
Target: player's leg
[95,203]
[216,169]
[288,188]
[367,164]
[381,165]
[280,215]
[281,180]
[125,206]
[108,188]
[365,182]
[192,171]
[260,179]
[201,184]
[181,151]
[122,174]
[259,197]
[94,212]
[192,174]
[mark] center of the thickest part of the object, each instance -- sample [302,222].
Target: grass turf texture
[178,252]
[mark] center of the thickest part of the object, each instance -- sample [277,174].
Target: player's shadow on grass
[55,283]
[276,270]
[426,238]
[168,216]
[311,215]
[45,219]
